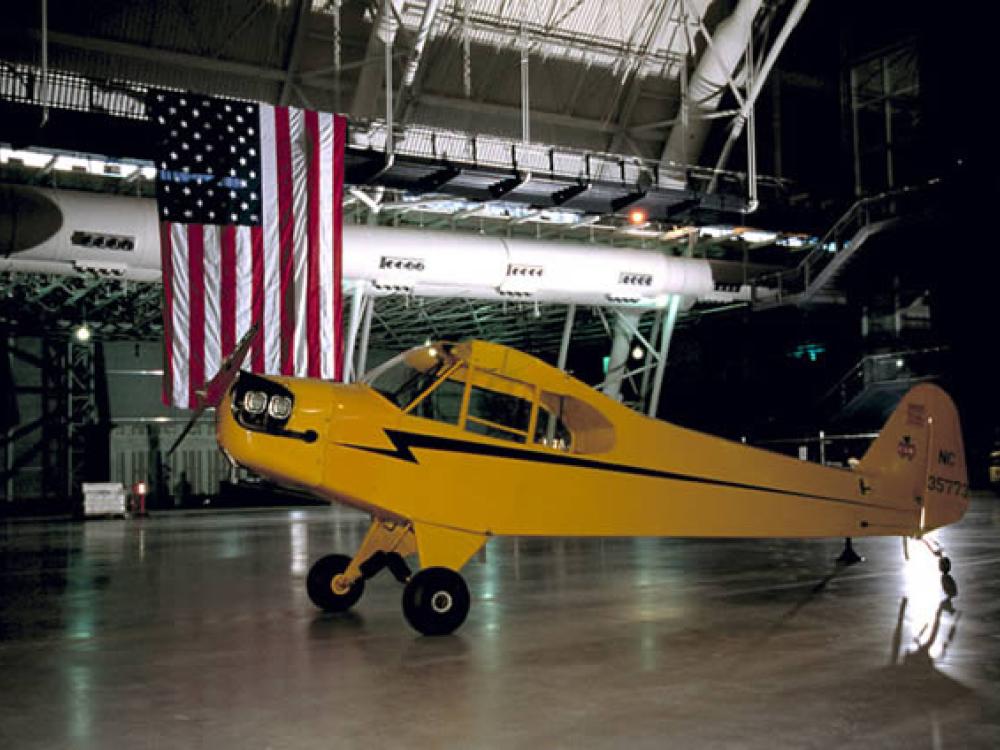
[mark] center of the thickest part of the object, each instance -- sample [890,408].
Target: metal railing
[890,367]
[23,84]
[511,154]
[842,236]
[829,450]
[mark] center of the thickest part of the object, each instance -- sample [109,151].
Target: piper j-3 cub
[449,445]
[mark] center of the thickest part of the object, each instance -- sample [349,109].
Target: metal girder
[538,116]
[169,57]
[746,107]
[294,49]
[372,78]
[230,35]
[514,28]
[633,79]
[51,305]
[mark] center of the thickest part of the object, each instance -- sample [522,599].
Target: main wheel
[436,601]
[319,584]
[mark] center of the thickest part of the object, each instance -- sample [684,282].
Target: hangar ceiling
[604,75]
[596,87]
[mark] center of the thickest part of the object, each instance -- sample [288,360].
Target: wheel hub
[441,602]
[339,585]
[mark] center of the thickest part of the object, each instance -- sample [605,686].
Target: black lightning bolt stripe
[405,442]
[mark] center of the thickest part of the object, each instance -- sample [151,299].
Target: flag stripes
[284,272]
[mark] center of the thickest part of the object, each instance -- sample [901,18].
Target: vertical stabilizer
[919,459]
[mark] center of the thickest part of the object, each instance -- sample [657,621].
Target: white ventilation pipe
[62,232]
[372,79]
[708,82]
[423,34]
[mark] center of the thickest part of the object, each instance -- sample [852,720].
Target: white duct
[371,79]
[423,34]
[708,82]
[48,231]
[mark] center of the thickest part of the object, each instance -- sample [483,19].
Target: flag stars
[210,159]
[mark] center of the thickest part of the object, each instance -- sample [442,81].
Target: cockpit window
[444,403]
[403,378]
[498,415]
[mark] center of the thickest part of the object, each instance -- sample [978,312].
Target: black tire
[320,578]
[436,601]
[944,565]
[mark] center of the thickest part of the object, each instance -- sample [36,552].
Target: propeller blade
[186,430]
[212,392]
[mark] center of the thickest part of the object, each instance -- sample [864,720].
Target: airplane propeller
[212,392]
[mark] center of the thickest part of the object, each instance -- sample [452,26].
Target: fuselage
[492,441]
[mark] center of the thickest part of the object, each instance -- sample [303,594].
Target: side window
[444,403]
[569,423]
[551,432]
[498,415]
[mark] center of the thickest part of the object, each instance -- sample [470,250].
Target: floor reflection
[928,644]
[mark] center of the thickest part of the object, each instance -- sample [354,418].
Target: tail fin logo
[907,448]
[916,414]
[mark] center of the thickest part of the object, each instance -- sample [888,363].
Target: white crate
[103,499]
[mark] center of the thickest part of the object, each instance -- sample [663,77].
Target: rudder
[918,458]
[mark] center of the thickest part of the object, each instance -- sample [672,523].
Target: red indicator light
[637,216]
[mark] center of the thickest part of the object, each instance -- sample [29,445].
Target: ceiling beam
[549,118]
[154,54]
[294,49]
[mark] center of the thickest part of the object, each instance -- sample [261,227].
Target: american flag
[249,198]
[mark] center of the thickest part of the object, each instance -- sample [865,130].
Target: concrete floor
[194,631]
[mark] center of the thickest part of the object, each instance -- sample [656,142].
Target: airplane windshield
[402,379]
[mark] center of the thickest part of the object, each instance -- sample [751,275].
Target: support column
[566,335]
[366,328]
[669,320]
[648,372]
[81,411]
[353,327]
[626,321]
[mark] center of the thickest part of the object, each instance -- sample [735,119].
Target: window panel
[444,403]
[499,408]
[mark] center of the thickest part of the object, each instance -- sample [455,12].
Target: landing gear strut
[944,563]
[435,600]
[848,556]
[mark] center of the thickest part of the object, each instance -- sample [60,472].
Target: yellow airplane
[448,445]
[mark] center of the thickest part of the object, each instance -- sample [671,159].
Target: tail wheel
[319,584]
[436,601]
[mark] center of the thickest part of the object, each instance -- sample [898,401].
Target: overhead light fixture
[82,333]
[638,352]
